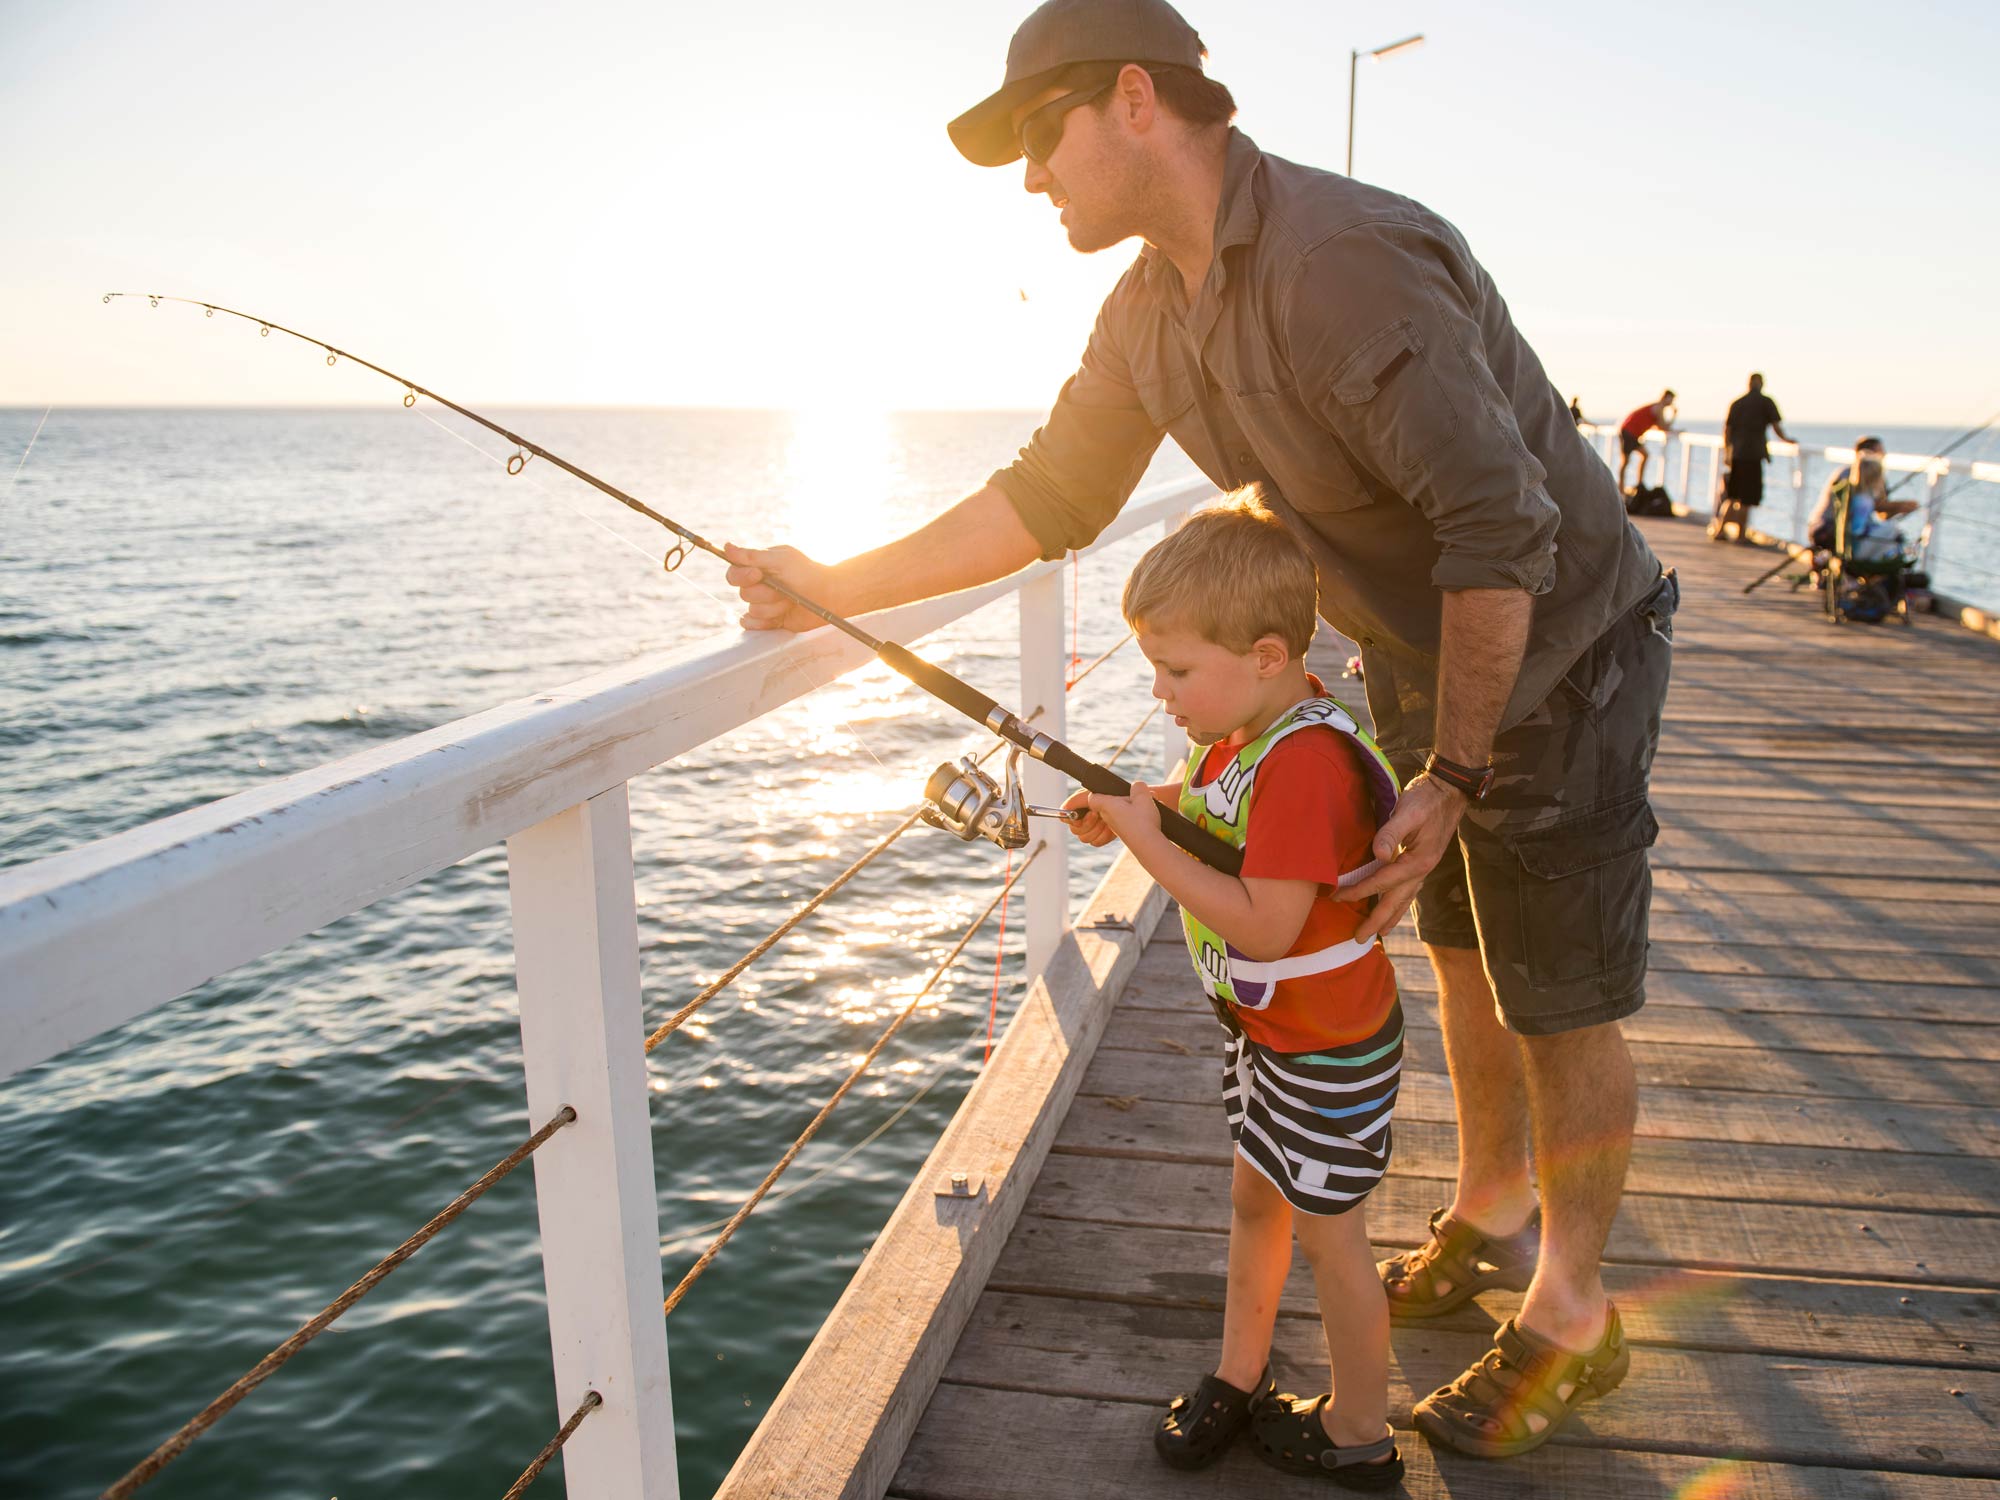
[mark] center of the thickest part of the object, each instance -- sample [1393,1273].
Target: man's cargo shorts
[1549,877]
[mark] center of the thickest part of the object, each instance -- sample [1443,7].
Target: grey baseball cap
[1058,34]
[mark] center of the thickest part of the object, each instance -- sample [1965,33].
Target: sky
[756,204]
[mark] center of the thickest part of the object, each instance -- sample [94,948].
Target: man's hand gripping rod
[939,683]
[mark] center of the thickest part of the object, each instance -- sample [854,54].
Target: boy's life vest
[1230,979]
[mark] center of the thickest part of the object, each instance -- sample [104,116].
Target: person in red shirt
[1632,434]
[1224,610]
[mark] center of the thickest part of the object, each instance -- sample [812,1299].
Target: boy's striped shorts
[1316,1123]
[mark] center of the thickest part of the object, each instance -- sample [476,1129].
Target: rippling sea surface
[196,602]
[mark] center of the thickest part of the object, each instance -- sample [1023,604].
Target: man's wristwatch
[1474,781]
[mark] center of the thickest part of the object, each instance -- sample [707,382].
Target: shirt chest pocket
[1307,463]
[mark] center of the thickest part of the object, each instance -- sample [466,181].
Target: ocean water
[193,602]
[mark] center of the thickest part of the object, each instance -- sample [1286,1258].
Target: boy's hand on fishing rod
[764,608]
[1136,813]
[1091,828]
[1409,844]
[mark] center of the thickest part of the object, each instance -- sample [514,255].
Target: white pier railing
[93,938]
[1804,470]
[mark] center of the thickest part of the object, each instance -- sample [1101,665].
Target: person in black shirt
[1744,451]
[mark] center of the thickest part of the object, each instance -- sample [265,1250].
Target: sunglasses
[1042,131]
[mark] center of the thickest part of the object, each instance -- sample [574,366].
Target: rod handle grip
[1211,850]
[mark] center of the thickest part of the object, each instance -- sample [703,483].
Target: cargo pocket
[1584,892]
[1399,402]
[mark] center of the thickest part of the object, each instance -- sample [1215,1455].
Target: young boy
[1224,609]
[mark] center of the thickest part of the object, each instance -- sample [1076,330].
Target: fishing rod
[1952,447]
[961,799]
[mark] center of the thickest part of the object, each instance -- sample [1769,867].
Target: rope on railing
[1100,661]
[210,1414]
[529,1475]
[730,975]
[736,1219]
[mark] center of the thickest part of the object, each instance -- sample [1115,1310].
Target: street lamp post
[1353,65]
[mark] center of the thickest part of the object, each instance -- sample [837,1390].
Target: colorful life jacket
[1228,977]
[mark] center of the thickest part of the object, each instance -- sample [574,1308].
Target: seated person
[1862,486]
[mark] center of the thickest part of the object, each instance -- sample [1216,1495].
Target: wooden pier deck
[1808,1256]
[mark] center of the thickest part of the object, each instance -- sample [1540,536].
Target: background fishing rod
[1946,451]
[934,680]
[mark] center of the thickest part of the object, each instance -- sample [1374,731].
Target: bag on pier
[1648,500]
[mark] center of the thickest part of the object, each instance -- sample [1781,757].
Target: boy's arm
[1262,919]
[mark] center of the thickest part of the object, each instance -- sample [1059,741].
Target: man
[1632,434]
[1745,449]
[1340,346]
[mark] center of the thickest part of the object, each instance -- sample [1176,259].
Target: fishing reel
[963,800]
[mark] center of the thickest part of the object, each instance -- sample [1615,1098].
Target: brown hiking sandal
[1456,1264]
[1521,1391]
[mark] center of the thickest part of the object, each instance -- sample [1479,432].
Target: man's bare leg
[1583,1101]
[1489,1097]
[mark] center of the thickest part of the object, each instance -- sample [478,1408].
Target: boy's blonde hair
[1232,574]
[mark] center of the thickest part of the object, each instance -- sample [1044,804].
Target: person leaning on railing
[1342,347]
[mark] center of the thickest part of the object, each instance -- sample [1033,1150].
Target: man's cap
[1058,34]
[1868,442]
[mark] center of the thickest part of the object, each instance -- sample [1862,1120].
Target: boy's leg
[1260,1257]
[1355,1314]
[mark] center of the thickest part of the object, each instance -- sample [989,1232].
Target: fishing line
[576,510]
[940,684]
[1952,447]
[31,446]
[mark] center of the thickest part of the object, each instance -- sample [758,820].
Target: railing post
[576,952]
[1687,458]
[1798,492]
[1044,675]
[1933,496]
[1173,739]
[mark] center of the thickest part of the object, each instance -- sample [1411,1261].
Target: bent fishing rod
[961,799]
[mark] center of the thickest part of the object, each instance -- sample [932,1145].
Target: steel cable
[529,1475]
[736,1219]
[729,976]
[210,1414]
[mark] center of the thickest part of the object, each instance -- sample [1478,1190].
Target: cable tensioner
[963,800]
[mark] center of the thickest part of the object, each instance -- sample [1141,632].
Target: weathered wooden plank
[981,1443]
[1692,1026]
[1163,976]
[1709,1169]
[1660,1065]
[1865,892]
[840,1424]
[1730,1311]
[1742,1406]
[1651,1230]
[1684,1114]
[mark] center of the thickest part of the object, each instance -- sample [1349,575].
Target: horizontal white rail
[91,938]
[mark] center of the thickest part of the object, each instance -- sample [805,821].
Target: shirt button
[1245,459]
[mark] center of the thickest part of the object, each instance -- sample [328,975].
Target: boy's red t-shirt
[1312,818]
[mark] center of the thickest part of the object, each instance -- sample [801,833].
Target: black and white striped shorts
[1316,1123]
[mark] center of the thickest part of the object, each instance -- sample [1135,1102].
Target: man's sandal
[1290,1436]
[1198,1429]
[1456,1264]
[1521,1391]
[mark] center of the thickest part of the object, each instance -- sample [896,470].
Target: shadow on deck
[1806,1259]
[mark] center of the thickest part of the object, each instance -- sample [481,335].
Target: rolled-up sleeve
[1082,464]
[1384,339]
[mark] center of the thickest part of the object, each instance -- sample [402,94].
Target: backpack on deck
[1648,500]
